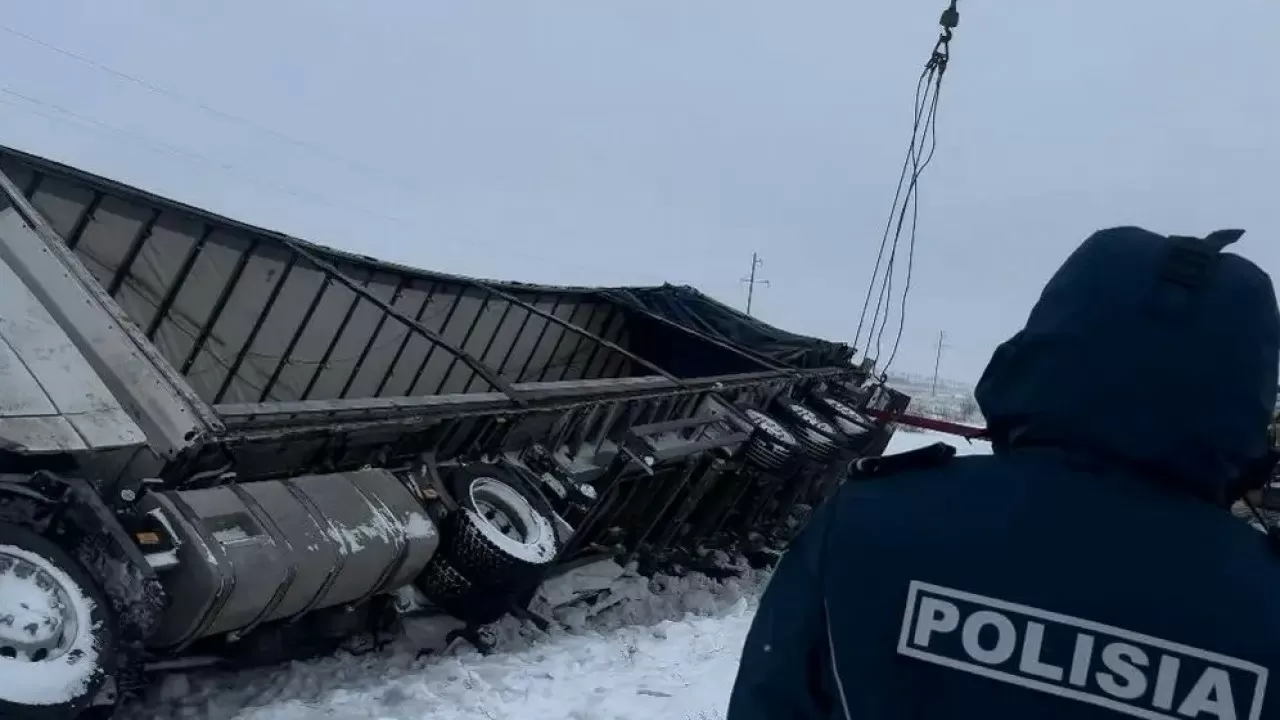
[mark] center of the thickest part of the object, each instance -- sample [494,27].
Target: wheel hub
[37,618]
[504,510]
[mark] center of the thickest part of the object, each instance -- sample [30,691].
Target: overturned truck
[218,441]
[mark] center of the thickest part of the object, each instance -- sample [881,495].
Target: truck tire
[58,639]
[843,411]
[772,446]
[858,427]
[819,438]
[453,593]
[503,532]
[442,584]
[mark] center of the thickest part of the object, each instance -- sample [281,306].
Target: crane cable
[923,134]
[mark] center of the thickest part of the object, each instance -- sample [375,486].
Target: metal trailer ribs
[297,353]
[284,342]
[249,315]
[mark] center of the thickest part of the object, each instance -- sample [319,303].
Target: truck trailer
[219,441]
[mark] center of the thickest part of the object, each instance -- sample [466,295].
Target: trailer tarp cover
[687,306]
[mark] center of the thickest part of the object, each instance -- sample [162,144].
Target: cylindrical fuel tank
[256,552]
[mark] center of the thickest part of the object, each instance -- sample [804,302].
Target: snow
[673,669]
[380,527]
[905,439]
[66,676]
[667,647]
[419,527]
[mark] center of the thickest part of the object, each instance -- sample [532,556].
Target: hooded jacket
[1089,568]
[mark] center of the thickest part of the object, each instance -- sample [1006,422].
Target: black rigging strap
[924,142]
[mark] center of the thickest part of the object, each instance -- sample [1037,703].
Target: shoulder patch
[923,458]
[1078,659]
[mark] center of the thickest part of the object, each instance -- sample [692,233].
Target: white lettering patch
[1070,657]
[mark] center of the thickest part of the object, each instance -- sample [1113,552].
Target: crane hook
[942,50]
[950,17]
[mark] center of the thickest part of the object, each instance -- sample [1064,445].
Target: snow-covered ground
[910,439]
[666,648]
[669,648]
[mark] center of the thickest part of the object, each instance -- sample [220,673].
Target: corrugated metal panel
[245,317]
[103,388]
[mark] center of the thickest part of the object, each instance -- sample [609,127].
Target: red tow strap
[969,432]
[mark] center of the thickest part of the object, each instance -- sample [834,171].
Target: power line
[170,149]
[61,114]
[752,282]
[173,150]
[381,173]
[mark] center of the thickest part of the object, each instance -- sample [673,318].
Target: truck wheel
[819,438]
[773,445]
[857,428]
[503,533]
[448,590]
[442,584]
[57,633]
[842,411]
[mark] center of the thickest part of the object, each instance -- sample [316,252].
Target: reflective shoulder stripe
[835,668]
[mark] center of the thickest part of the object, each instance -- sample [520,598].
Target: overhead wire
[923,134]
[42,108]
[155,88]
[61,114]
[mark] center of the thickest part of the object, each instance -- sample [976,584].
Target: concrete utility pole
[937,360]
[751,281]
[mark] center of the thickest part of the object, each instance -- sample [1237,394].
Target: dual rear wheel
[494,547]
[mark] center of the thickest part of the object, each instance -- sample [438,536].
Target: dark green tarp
[692,309]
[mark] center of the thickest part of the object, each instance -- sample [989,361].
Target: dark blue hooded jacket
[1089,568]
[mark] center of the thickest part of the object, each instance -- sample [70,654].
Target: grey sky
[636,141]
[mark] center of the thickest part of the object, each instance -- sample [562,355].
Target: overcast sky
[637,141]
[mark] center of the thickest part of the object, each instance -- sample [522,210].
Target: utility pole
[752,281]
[937,360]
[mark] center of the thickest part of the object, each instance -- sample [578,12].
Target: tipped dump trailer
[218,441]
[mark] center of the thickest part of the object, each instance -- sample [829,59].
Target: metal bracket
[434,483]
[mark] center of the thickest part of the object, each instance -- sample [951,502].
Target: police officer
[1089,568]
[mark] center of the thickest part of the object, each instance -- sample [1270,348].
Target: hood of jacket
[1157,353]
